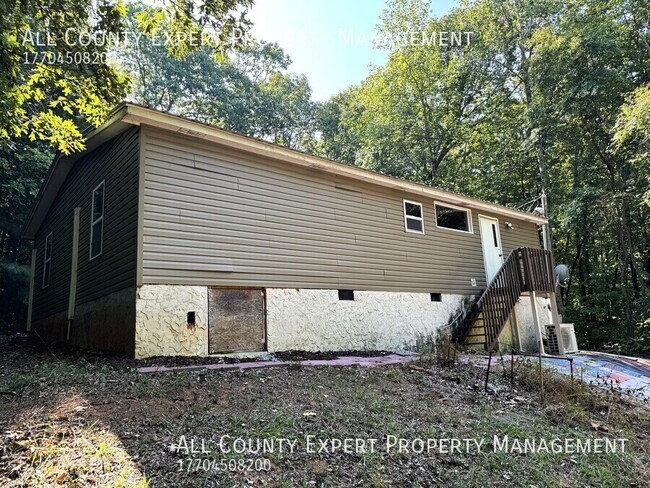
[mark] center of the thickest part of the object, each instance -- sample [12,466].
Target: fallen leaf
[436,395]
[418,368]
[600,427]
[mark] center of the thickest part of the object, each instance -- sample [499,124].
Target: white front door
[491,241]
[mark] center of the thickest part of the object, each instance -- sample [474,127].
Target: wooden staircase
[524,270]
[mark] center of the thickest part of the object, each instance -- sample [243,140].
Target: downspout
[73,271]
[30,303]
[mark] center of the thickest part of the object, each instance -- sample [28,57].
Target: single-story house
[171,237]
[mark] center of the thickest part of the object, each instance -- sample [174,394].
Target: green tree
[415,113]
[48,93]
[285,111]
[248,91]
[550,97]
[22,169]
[339,123]
[197,86]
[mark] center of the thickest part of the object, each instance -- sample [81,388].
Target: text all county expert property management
[312,444]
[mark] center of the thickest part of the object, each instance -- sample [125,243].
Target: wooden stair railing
[524,269]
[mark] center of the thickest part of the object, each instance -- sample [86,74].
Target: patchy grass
[79,420]
[577,403]
[59,446]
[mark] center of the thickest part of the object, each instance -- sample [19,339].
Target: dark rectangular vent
[346,294]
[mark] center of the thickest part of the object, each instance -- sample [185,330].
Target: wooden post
[538,327]
[30,303]
[555,317]
[515,327]
[512,370]
[487,374]
[541,373]
[72,298]
[503,363]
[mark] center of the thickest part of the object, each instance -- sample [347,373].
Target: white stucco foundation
[316,320]
[311,320]
[161,327]
[523,312]
[306,320]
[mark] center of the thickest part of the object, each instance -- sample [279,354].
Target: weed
[103,451]
[485,409]
[379,404]
[178,382]
[143,387]
[577,399]
[62,370]
[56,371]
[124,480]
[281,424]
[377,481]
[20,381]
[393,373]
[294,366]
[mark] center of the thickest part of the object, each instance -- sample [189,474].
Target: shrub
[14,294]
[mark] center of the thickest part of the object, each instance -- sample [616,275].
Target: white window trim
[456,207]
[49,237]
[93,222]
[406,217]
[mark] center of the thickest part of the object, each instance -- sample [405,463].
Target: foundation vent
[346,294]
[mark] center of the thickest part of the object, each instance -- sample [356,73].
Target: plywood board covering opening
[236,320]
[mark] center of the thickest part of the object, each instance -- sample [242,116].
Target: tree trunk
[539,143]
[3,236]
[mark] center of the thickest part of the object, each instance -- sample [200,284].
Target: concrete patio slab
[340,361]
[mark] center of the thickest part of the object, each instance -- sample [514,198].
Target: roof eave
[61,166]
[144,116]
[127,114]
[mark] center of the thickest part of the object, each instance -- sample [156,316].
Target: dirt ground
[82,419]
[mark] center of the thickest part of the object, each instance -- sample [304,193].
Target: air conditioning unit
[551,340]
[568,338]
[560,343]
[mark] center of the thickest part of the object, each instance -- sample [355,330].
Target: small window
[413,220]
[454,218]
[97,222]
[346,294]
[47,261]
[436,297]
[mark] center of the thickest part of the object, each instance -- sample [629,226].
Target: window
[47,261]
[454,218]
[413,220]
[97,221]
[436,297]
[346,294]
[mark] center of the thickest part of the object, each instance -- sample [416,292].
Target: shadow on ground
[82,419]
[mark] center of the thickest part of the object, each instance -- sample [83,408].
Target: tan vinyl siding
[116,162]
[216,217]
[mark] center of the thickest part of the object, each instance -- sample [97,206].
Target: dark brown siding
[116,161]
[217,217]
